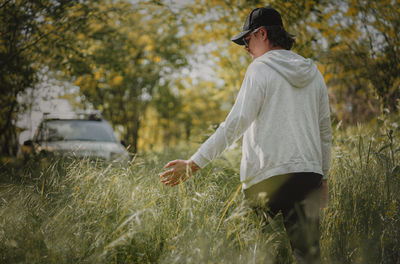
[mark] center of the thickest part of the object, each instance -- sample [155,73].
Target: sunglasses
[247,38]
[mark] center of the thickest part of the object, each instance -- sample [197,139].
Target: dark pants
[297,196]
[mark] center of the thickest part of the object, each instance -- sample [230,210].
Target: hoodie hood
[297,70]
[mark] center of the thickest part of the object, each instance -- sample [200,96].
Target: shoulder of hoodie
[258,71]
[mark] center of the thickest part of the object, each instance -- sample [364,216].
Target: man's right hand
[180,171]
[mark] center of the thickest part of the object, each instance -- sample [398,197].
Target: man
[282,112]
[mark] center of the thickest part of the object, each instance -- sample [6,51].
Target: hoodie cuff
[325,174]
[199,160]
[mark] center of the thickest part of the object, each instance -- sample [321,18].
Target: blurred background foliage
[163,72]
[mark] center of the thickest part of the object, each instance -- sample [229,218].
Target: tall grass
[54,211]
[362,222]
[100,213]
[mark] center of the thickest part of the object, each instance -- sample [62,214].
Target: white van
[78,134]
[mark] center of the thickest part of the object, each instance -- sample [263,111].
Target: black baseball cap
[263,16]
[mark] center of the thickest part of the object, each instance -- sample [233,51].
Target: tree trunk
[9,144]
[132,133]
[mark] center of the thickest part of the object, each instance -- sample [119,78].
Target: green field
[53,211]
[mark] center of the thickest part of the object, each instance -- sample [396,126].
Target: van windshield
[76,130]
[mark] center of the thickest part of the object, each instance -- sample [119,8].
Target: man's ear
[264,33]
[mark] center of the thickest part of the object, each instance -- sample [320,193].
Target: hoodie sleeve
[325,130]
[245,110]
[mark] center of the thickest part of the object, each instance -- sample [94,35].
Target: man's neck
[274,48]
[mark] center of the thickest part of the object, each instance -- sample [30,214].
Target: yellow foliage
[288,4]
[328,15]
[309,4]
[79,13]
[96,27]
[117,80]
[149,47]
[351,11]
[164,121]
[321,68]
[329,33]
[392,33]
[157,59]
[316,25]
[48,27]
[81,36]
[131,35]
[79,81]
[97,75]
[145,39]
[391,212]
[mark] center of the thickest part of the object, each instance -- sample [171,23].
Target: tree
[25,29]
[353,42]
[126,56]
[363,51]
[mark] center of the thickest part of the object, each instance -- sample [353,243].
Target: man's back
[293,104]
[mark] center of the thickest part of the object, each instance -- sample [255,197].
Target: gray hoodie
[282,112]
